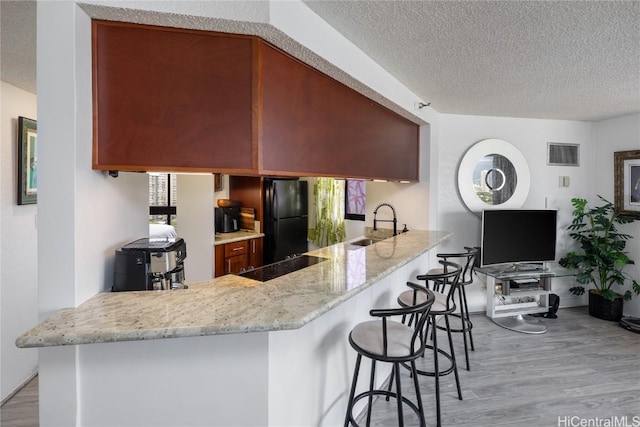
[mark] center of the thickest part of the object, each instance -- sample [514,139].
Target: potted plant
[601,258]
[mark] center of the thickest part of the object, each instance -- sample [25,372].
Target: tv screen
[518,236]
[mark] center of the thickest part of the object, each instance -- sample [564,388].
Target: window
[329,196]
[354,199]
[162,198]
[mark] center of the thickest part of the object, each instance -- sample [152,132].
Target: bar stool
[390,341]
[443,286]
[467,260]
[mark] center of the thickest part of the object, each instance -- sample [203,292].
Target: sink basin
[364,242]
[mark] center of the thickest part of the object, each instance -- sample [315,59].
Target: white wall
[619,134]
[458,133]
[195,224]
[176,382]
[83,215]
[18,248]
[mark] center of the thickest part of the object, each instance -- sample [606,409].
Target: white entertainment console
[514,294]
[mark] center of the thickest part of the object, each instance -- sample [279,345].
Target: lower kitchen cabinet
[237,256]
[255,252]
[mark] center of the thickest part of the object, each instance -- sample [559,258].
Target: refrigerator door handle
[274,204]
[274,214]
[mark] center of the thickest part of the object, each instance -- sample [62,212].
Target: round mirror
[493,174]
[494,179]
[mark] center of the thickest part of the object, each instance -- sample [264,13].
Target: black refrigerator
[285,218]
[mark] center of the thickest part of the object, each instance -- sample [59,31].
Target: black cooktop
[271,271]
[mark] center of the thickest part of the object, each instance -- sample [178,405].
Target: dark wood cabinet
[255,252]
[248,191]
[236,264]
[231,257]
[218,261]
[173,99]
[235,257]
[313,125]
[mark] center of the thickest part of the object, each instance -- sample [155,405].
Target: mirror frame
[472,157]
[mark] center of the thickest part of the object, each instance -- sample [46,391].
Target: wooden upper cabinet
[171,99]
[328,129]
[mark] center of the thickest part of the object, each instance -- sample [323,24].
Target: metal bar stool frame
[415,349]
[443,285]
[466,278]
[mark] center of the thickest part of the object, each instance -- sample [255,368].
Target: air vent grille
[563,154]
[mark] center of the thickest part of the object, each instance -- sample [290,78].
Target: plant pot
[603,308]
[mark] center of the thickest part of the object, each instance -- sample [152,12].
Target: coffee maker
[150,264]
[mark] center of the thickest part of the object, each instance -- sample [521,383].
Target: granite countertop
[233,304]
[236,236]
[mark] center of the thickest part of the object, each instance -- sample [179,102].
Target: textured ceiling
[540,59]
[18,43]
[576,60]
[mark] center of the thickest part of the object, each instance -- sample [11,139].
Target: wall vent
[563,154]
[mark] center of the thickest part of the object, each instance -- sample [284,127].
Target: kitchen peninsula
[243,352]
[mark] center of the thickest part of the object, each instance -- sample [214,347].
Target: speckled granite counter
[222,238]
[233,304]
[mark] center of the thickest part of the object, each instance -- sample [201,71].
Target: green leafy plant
[601,257]
[328,194]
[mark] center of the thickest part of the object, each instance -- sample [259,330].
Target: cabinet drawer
[236,248]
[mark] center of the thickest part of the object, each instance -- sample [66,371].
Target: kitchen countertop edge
[236,236]
[66,327]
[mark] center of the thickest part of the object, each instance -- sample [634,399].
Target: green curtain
[328,194]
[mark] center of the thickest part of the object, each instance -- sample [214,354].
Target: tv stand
[524,323]
[515,268]
[513,295]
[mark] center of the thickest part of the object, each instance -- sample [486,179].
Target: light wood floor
[582,367]
[22,409]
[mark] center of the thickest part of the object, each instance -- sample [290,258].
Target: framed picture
[627,182]
[217,182]
[27,161]
[355,199]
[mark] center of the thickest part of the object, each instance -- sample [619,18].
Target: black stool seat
[386,340]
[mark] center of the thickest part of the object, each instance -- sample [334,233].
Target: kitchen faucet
[395,220]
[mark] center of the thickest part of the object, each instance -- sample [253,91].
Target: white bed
[162,231]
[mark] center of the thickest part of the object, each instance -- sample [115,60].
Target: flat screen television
[518,239]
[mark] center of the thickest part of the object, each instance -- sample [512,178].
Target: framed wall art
[217,182]
[627,182]
[355,198]
[27,161]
